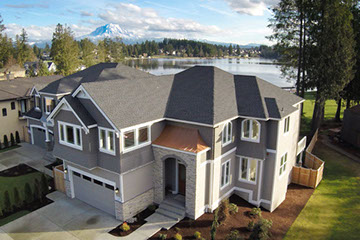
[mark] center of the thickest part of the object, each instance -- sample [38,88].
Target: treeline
[320,41]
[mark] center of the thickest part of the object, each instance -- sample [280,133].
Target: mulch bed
[140,220]
[283,217]
[18,170]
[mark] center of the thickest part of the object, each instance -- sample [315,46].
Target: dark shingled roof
[202,94]
[98,72]
[21,87]
[33,113]
[82,113]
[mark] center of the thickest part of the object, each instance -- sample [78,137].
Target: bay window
[227,134]
[250,130]
[248,169]
[70,135]
[106,140]
[136,137]
[225,174]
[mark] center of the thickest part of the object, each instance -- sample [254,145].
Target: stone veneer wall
[67,188]
[191,192]
[124,211]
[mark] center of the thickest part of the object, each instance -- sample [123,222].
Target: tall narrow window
[49,105]
[248,169]
[23,105]
[225,173]
[106,140]
[13,106]
[227,134]
[283,164]
[250,130]
[70,135]
[287,124]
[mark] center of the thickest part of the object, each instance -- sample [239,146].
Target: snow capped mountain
[110,31]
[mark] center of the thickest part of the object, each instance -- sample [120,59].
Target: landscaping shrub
[234,235]
[44,185]
[223,211]
[261,230]
[17,201]
[214,225]
[7,203]
[178,236]
[162,236]
[125,227]
[6,142]
[37,194]
[197,235]
[12,139]
[233,208]
[28,194]
[255,212]
[17,136]
[152,207]
[250,226]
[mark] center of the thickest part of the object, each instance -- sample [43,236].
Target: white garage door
[95,193]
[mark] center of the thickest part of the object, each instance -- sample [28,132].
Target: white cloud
[251,7]
[86,14]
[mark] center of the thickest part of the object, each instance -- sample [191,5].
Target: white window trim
[226,132]
[281,166]
[257,140]
[286,123]
[65,135]
[136,138]
[50,98]
[226,184]
[247,180]
[106,150]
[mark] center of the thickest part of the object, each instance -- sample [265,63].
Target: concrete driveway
[66,218]
[29,154]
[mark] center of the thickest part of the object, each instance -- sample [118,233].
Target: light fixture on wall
[116,190]
[65,170]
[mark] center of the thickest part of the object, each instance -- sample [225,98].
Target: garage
[38,137]
[94,192]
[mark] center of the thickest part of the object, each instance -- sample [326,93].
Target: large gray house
[129,139]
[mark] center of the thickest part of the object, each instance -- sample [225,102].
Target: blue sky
[236,21]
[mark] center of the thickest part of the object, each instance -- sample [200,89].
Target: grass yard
[333,211]
[330,110]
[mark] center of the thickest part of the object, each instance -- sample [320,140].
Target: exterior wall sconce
[116,190]
[65,170]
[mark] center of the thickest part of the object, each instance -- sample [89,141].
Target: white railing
[301,145]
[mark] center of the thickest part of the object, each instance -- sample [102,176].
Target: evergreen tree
[87,52]
[2,26]
[230,50]
[44,185]
[12,140]
[24,52]
[43,69]
[28,194]
[37,193]
[6,141]
[7,203]
[37,51]
[64,50]
[17,201]
[17,136]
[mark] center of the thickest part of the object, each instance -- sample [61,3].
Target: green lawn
[9,183]
[333,211]
[330,110]
[13,217]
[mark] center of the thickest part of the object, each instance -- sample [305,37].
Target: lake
[263,68]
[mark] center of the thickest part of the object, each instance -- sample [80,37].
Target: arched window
[227,134]
[250,130]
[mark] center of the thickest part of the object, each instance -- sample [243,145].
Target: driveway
[29,154]
[65,218]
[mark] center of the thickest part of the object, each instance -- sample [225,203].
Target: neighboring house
[12,72]
[51,66]
[34,66]
[16,98]
[129,139]
[350,131]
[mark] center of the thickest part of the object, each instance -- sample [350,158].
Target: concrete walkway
[29,154]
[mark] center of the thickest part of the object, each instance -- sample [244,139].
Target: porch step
[172,208]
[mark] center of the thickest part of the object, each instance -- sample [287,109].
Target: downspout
[212,172]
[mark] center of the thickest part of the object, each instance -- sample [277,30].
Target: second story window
[227,134]
[225,174]
[286,124]
[23,106]
[4,112]
[250,130]
[283,164]
[248,169]
[70,135]
[106,140]
[13,106]
[136,137]
[49,104]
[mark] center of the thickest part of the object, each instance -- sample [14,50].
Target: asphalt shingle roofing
[202,94]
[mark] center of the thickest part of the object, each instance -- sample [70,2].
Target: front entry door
[182,179]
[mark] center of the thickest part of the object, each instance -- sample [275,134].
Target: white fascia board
[57,94]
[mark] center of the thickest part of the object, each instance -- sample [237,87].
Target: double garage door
[94,192]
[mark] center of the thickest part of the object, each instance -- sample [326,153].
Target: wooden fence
[312,173]
[59,178]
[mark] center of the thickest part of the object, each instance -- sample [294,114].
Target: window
[23,106]
[286,124]
[70,135]
[37,102]
[225,173]
[109,186]
[87,178]
[136,138]
[248,168]
[283,164]
[49,104]
[227,134]
[98,182]
[250,130]
[4,112]
[106,140]
[77,174]
[13,106]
